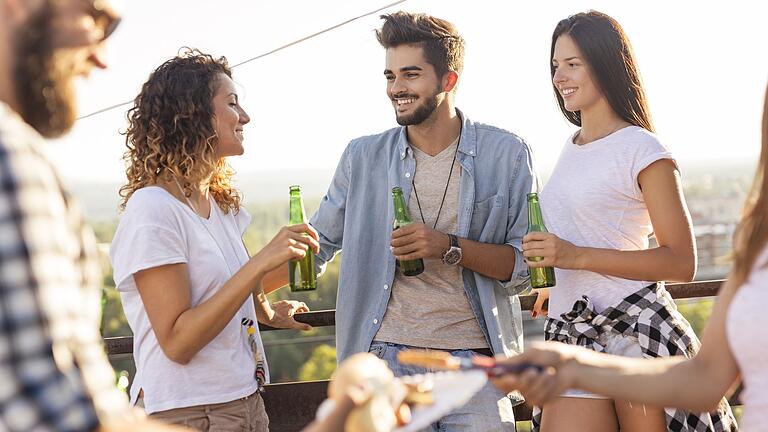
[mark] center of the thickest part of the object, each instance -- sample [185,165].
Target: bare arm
[696,384]
[673,260]
[182,329]
[491,260]
[275,279]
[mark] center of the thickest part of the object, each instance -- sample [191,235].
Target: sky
[703,64]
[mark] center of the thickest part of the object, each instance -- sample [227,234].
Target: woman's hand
[290,243]
[283,312]
[554,251]
[542,295]
[557,362]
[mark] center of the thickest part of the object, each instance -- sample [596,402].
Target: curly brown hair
[171,131]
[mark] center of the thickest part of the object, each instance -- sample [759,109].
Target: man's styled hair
[443,46]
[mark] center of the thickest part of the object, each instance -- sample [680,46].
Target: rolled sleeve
[522,182]
[328,220]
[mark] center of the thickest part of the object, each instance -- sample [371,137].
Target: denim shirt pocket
[489,224]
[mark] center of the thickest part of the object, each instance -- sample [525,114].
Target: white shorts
[616,344]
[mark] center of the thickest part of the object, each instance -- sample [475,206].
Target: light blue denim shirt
[357,214]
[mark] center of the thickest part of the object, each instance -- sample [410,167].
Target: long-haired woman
[191,293]
[614,185]
[734,347]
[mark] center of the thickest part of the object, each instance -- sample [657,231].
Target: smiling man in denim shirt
[465,184]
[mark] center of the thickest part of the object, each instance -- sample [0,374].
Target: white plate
[451,390]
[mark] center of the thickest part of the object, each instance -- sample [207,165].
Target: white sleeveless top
[745,328]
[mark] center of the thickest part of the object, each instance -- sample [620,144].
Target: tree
[697,312]
[320,365]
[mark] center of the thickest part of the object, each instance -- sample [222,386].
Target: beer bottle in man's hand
[402,218]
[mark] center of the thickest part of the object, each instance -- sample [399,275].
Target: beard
[421,113]
[45,93]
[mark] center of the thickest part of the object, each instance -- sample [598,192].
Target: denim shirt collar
[467,143]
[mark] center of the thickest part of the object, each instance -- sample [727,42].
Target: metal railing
[291,406]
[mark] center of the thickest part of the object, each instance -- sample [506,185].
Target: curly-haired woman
[190,291]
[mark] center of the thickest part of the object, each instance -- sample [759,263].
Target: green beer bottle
[541,277]
[402,218]
[301,272]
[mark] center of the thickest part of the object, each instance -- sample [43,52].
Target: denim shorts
[488,411]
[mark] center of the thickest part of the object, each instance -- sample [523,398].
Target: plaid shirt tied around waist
[651,316]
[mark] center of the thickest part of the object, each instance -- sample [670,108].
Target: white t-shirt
[745,326]
[157,229]
[593,199]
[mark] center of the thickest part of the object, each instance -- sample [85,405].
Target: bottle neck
[297,213]
[401,211]
[535,219]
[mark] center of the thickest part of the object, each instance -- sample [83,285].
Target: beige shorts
[616,344]
[245,414]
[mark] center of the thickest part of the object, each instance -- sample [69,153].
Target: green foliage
[697,312]
[524,426]
[320,365]
[104,231]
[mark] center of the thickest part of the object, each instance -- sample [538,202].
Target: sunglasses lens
[114,22]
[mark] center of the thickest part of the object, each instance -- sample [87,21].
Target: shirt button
[471,152]
[375,321]
[386,287]
[407,175]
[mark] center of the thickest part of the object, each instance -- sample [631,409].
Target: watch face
[453,256]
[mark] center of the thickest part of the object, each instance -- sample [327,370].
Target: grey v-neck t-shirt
[431,310]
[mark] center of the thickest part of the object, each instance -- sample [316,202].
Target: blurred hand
[416,241]
[542,295]
[335,421]
[558,363]
[283,315]
[555,251]
[290,243]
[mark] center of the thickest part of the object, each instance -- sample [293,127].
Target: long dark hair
[607,51]
[752,234]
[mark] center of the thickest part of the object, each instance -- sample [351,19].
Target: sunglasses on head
[105,17]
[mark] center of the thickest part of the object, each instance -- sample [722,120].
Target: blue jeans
[488,411]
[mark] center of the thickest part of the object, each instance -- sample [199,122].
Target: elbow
[685,269]
[713,404]
[707,403]
[177,354]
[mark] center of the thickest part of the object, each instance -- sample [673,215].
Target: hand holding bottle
[554,251]
[416,241]
[291,243]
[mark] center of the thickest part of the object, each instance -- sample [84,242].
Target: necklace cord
[445,192]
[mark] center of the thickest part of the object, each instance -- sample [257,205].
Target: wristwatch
[453,255]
